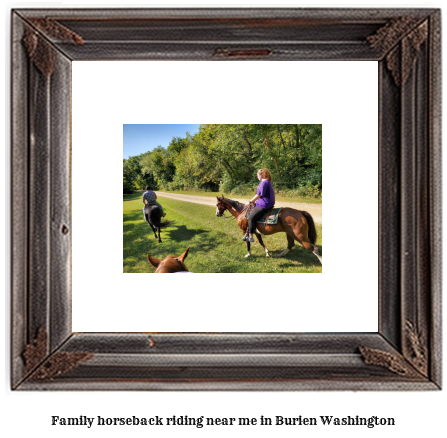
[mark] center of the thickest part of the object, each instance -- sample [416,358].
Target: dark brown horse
[170,265]
[152,213]
[298,225]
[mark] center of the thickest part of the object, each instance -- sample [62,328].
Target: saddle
[270,217]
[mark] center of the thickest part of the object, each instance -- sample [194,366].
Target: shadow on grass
[301,255]
[181,237]
[139,240]
[298,255]
[181,234]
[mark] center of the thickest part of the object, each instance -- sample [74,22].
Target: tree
[159,164]
[134,177]
[232,154]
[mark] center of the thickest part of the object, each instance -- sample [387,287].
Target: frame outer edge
[417,264]
[349,13]
[41,295]
[421,319]
[228,385]
[435,136]
[19,193]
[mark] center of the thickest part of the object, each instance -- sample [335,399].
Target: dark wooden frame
[405,354]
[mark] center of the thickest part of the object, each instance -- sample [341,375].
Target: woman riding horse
[298,225]
[264,199]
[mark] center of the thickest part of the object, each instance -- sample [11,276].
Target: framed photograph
[51,351]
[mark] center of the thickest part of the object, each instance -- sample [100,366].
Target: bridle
[226,208]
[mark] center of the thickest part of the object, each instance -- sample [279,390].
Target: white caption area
[343,96]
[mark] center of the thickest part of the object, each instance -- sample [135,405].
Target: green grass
[307,200]
[216,244]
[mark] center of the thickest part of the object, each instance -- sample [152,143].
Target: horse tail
[155,218]
[312,230]
[156,222]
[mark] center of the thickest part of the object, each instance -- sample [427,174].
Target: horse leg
[314,250]
[154,230]
[290,245]
[311,247]
[258,235]
[159,235]
[299,233]
[248,249]
[318,254]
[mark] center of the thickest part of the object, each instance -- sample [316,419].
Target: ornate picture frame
[405,353]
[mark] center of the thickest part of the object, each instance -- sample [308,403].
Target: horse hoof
[267,254]
[247,255]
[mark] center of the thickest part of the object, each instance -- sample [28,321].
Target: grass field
[216,243]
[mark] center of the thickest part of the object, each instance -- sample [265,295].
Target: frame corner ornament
[416,348]
[39,49]
[41,366]
[58,364]
[394,362]
[400,56]
[36,351]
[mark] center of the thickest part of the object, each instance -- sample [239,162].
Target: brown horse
[298,225]
[170,265]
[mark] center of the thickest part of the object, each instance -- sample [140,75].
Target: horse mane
[235,204]
[170,265]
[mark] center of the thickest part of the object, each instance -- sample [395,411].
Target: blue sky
[142,138]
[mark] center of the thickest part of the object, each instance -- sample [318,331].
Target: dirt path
[314,209]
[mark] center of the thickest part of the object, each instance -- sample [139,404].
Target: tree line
[226,158]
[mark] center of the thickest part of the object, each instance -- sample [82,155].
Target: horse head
[170,264]
[221,206]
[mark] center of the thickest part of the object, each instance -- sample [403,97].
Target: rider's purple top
[265,190]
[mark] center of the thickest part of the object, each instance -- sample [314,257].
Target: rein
[228,217]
